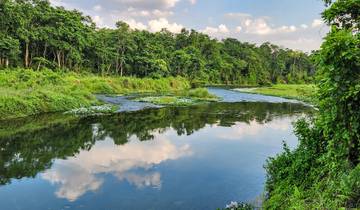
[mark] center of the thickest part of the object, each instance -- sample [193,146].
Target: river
[145,157]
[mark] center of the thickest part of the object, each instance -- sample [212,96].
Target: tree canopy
[35,34]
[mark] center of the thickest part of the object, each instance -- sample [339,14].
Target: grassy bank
[300,92]
[26,92]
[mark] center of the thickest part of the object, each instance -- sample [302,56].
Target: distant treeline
[35,34]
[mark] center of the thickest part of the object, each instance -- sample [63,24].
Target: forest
[34,34]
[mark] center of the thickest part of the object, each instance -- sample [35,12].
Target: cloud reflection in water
[77,175]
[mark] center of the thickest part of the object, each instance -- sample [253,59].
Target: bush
[324,171]
[200,93]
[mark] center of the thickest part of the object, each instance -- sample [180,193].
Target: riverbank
[25,92]
[301,92]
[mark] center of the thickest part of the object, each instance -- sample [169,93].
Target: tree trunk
[26,54]
[6,62]
[122,62]
[44,53]
[121,69]
[63,59]
[44,56]
[38,67]
[108,70]
[117,62]
[117,66]
[58,55]
[30,59]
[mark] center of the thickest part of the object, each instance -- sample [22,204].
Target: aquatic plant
[233,205]
[102,109]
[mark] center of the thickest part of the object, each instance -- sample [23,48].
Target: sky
[289,23]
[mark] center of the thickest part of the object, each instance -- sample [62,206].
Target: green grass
[200,93]
[304,93]
[25,92]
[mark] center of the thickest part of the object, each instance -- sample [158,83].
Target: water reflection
[77,175]
[241,130]
[78,155]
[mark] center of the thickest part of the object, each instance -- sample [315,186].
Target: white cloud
[242,130]
[141,181]
[97,8]
[260,26]
[285,29]
[98,20]
[304,26]
[222,29]
[305,37]
[257,26]
[146,13]
[158,24]
[159,13]
[237,16]
[77,175]
[154,15]
[317,23]
[238,29]
[154,4]
[136,25]
[192,2]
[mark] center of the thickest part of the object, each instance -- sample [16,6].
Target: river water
[145,157]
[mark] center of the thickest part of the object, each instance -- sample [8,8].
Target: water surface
[198,157]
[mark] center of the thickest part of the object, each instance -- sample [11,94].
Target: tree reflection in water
[32,145]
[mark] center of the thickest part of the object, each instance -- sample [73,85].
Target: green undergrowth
[303,92]
[199,93]
[25,92]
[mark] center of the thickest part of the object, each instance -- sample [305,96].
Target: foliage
[200,93]
[26,92]
[323,172]
[35,34]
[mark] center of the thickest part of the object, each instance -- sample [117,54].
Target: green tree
[9,50]
[324,171]
[36,34]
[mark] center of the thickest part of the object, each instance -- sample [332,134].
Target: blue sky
[289,23]
[282,12]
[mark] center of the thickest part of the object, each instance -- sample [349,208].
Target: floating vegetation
[174,100]
[103,109]
[182,98]
[239,206]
